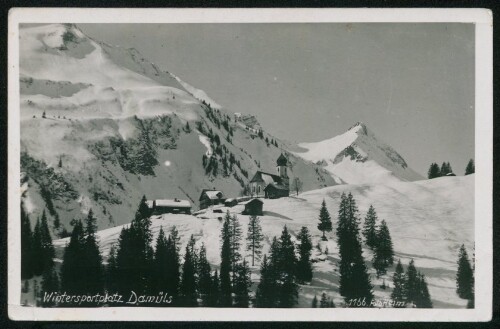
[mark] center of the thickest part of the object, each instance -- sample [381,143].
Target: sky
[411,84]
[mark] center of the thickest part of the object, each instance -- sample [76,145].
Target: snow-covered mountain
[358,157]
[101,126]
[428,221]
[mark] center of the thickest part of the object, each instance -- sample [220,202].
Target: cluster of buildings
[262,185]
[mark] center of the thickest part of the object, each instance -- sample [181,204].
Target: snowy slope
[69,74]
[357,157]
[84,103]
[199,94]
[428,221]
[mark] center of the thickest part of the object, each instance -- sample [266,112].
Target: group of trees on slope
[378,239]
[133,264]
[434,170]
[37,251]
[410,287]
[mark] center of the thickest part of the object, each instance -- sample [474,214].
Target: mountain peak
[358,156]
[359,127]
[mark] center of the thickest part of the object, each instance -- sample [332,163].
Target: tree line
[133,263]
[445,170]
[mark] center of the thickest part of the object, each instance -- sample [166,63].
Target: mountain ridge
[357,157]
[94,119]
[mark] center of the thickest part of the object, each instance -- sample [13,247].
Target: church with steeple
[272,186]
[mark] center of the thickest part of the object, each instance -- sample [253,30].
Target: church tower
[281,165]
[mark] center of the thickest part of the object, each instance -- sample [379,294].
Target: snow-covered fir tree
[226,263]
[304,264]
[188,287]
[383,251]
[370,227]
[325,221]
[354,279]
[398,294]
[254,238]
[465,276]
[470,168]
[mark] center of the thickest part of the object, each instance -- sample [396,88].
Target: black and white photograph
[181,162]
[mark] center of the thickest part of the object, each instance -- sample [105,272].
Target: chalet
[269,185]
[175,206]
[210,198]
[253,207]
[230,202]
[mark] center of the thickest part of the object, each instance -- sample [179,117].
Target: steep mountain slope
[428,221]
[101,126]
[358,157]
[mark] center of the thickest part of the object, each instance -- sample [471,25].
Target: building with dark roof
[167,206]
[269,185]
[253,207]
[210,198]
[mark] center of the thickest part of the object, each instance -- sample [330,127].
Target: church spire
[282,161]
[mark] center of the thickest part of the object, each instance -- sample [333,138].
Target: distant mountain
[101,126]
[358,157]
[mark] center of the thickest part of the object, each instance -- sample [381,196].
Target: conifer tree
[50,283]
[173,260]
[26,245]
[145,158]
[464,275]
[160,267]
[325,222]
[277,286]
[287,271]
[242,285]
[94,273]
[369,228]
[226,265]
[267,290]
[188,280]
[205,285]
[384,253]
[72,280]
[135,255]
[444,169]
[126,272]
[398,294]
[141,250]
[111,271]
[324,301]
[433,171]
[423,299]
[254,238]
[304,264]
[214,295]
[354,279]
[471,168]
[412,283]
[235,238]
[314,302]
[37,250]
[57,222]
[48,251]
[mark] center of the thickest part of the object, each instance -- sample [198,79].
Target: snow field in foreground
[428,221]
